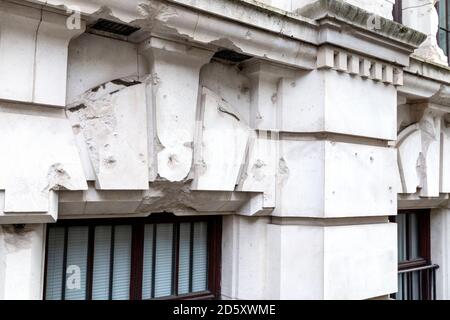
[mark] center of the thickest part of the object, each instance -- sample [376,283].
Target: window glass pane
[163,267]
[148,262]
[448,45]
[122,263]
[401,237]
[200,257]
[184,258]
[401,287]
[414,237]
[443,40]
[55,258]
[77,247]
[102,258]
[442,13]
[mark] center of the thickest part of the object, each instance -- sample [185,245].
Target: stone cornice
[433,71]
[427,81]
[252,28]
[360,18]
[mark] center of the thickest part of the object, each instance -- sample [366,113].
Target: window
[162,256]
[443,7]
[416,280]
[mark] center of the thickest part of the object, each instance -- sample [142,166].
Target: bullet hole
[173,160]
[274,98]
[110,162]
[77,107]
[76,129]
[19,227]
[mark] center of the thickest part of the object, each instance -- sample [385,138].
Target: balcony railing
[417,283]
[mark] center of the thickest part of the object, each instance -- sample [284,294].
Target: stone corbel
[423,149]
[429,164]
[175,72]
[33,70]
[265,96]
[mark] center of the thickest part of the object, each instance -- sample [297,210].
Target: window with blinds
[153,258]
[416,272]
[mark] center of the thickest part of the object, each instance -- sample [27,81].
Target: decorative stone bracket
[424,151]
[175,72]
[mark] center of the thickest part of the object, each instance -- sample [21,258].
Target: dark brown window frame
[427,285]
[214,242]
[424,235]
[397,11]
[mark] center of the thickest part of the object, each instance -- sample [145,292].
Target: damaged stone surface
[172,197]
[293,143]
[41,156]
[113,121]
[174,88]
[342,10]
[422,148]
[222,144]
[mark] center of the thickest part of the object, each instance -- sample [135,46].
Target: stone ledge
[361,18]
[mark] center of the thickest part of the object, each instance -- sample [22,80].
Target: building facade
[232,149]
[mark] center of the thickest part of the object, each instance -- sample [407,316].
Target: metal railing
[417,283]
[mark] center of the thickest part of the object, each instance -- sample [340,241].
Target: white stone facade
[331,119]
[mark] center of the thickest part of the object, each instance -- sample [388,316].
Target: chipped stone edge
[359,17]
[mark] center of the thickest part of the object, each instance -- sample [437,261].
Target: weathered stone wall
[284,123]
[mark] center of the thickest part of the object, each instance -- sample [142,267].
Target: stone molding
[354,64]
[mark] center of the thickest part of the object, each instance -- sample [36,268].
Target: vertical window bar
[90,262]
[433,282]
[421,286]
[154,260]
[407,236]
[111,262]
[66,236]
[175,258]
[137,261]
[214,256]
[191,257]
[47,231]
